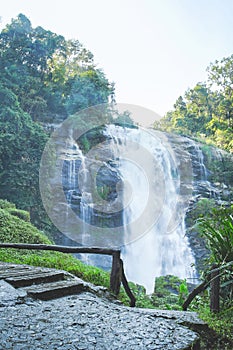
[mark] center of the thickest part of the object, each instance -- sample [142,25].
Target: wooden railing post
[126,286]
[214,289]
[116,273]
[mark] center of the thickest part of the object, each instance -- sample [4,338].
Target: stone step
[21,272]
[12,270]
[15,269]
[55,290]
[35,277]
[9,266]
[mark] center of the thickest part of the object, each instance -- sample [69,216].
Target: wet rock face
[94,181]
[206,181]
[107,181]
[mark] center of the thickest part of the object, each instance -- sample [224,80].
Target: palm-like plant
[218,231]
[217,228]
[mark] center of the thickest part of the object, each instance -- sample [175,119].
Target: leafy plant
[218,231]
[104,191]
[22,214]
[205,111]
[183,292]
[4,204]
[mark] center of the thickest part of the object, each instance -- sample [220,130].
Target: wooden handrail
[200,288]
[212,280]
[60,248]
[117,272]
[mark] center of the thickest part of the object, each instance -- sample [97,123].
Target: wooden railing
[213,281]
[117,272]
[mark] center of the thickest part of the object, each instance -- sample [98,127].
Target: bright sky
[152,49]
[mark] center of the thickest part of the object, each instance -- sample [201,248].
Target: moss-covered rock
[169,292]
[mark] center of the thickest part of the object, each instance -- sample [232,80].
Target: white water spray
[153,210]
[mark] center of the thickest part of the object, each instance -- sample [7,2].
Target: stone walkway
[86,321]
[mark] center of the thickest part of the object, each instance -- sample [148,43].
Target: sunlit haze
[153,50]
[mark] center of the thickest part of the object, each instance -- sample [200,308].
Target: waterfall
[154,226]
[132,190]
[202,186]
[76,190]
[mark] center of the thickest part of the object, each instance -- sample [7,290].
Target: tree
[50,76]
[206,110]
[89,88]
[220,76]
[21,147]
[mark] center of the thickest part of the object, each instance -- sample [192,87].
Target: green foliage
[218,230]
[22,214]
[206,111]
[142,299]
[89,88]
[169,292]
[43,78]
[94,135]
[15,230]
[221,322]
[201,208]
[125,120]
[104,191]
[4,204]
[218,335]
[51,77]
[85,144]
[219,164]
[183,292]
[21,145]
[204,206]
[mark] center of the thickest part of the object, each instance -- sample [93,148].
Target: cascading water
[157,245]
[201,183]
[77,195]
[139,197]
[153,211]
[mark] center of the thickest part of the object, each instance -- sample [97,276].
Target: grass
[58,261]
[221,323]
[16,230]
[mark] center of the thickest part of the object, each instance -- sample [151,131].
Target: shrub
[15,230]
[218,231]
[4,204]
[217,228]
[22,214]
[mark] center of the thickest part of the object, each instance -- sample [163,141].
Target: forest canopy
[206,111]
[44,79]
